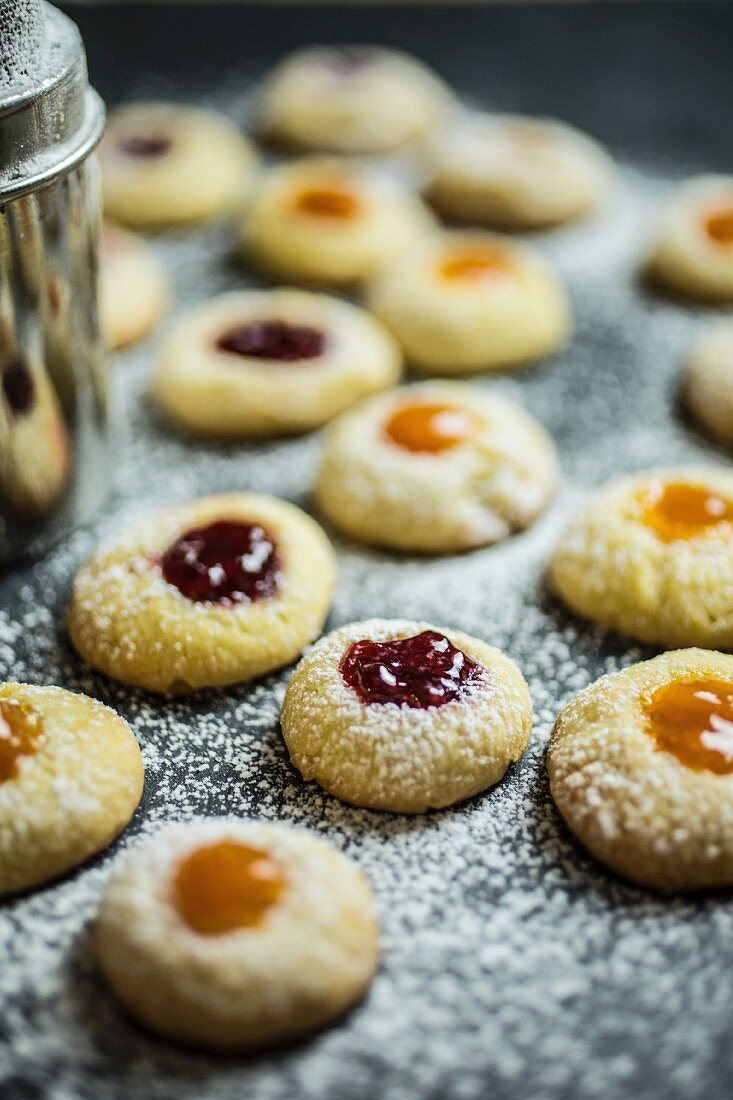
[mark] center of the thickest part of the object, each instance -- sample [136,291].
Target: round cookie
[259,362]
[234,935]
[352,99]
[515,172]
[213,592]
[471,301]
[641,769]
[71,777]
[693,252]
[404,716]
[652,557]
[166,164]
[332,221]
[709,382]
[133,288]
[438,467]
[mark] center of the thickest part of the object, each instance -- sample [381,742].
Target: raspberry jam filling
[431,428]
[345,62]
[693,720]
[273,340]
[475,265]
[225,886]
[144,148]
[674,510]
[419,672]
[18,387]
[21,729]
[719,227]
[227,563]
[329,201]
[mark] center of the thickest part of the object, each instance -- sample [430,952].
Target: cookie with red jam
[133,288]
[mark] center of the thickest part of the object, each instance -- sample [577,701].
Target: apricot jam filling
[675,510]
[225,886]
[693,720]
[328,201]
[431,428]
[228,562]
[719,226]
[419,672]
[21,732]
[276,340]
[475,266]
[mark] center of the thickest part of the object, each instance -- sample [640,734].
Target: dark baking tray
[514,967]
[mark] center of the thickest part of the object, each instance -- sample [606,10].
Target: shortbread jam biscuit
[470,301]
[71,776]
[438,467]
[652,557]
[641,768]
[233,935]
[165,164]
[331,221]
[213,592]
[709,381]
[133,288]
[269,362]
[693,251]
[405,716]
[352,99]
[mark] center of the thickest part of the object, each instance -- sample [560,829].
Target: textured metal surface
[514,967]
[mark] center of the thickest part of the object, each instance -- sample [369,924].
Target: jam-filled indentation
[431,428]
[419,672]
[719,227]
[228,562]
[693,720]
[18,387]
[475,265]
[676,510]
[225,886]
[276,340]
[332,201]
[144,147]
[21,733]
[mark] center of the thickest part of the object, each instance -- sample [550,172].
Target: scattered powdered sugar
[513,965]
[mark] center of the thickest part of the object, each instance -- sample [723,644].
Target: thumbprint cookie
[709,382]
[71,776]
[515,172]
[693,253]
[233,935]
[165,164]
[404,716]
[652,557]
[133,288]
[332,221]
[352,99]
[641,769]
[264,362]
[213,592]
[437,467]
[471,301]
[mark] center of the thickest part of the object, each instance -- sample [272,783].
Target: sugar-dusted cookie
[404,716]
[437,467]
[133,288]
[234,935]
[471,301]
[516,172]
[641,768]
[709,381]
[693,252]
[332,221]
[652,557]
[71,777]
[212,592]
[352,99]
[166,164]
[265,362]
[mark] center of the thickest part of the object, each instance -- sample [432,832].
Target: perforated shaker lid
[50,118]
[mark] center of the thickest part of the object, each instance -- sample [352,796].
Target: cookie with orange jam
[693,252]
[71,776]
[213,592]
[437,467]
[652,557]
[709,381]
[641,769]
[471,301]
[405,716]
[330,221]
[233,935]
